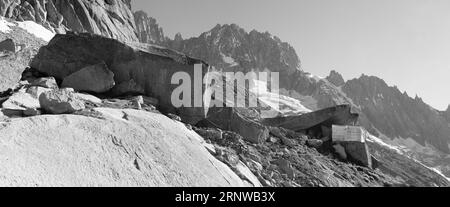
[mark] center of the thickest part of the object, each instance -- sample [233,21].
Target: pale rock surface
[127,148]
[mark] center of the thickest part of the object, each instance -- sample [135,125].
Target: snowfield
[5,26]
[29,26]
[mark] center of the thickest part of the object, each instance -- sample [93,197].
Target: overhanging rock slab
[338,115]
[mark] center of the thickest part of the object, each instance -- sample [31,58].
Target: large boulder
[112,18]
[95,78]
[150,67]
[62,101]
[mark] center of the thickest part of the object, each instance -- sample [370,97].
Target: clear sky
[405,42]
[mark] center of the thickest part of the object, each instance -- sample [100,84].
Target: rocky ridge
[111,18]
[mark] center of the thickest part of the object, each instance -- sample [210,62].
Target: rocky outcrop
[111,18]
[150,67]
[148,30]
[94,78]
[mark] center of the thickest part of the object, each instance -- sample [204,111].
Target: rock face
[20,102]
[62,101]
[148,30]
[95,78]
[111,18]
[149,66]
[147,150]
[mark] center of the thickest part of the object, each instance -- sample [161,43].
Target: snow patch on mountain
[37,30]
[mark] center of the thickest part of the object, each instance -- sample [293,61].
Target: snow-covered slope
[124,148]
[281,105]
[29,26]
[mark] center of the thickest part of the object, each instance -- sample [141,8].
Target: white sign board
[349,134]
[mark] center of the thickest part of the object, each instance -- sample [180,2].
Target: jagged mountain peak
[336,78]
[230,47]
